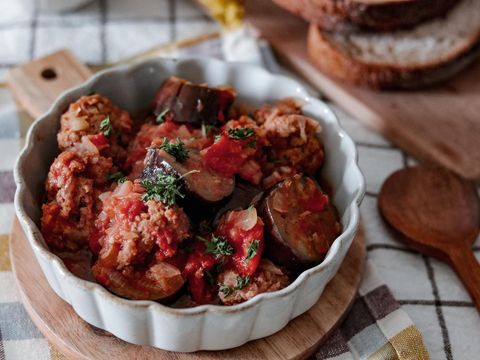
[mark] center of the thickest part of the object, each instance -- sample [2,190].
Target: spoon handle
[468,269]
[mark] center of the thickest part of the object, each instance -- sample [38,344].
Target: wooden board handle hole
[49,74]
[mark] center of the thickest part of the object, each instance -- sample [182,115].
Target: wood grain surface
[439,214]
[38,83]
[439,124]
[79,340]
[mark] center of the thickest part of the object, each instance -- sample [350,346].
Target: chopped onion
[303,133]
[104,196]
[78,124]
[88,145]
[124,189]
[247,219]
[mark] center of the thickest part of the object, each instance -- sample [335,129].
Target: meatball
[74,181]
[294,143]
[133,238]
[235,289]
[285,106]
[129,230]
[92,115]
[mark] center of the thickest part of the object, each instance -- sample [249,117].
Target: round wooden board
[78,340]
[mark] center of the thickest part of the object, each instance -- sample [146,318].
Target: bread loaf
[426,54]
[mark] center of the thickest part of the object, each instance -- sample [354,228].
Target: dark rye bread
[374,15]
[429,53]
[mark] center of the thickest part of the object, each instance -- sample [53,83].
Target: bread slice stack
[391,44]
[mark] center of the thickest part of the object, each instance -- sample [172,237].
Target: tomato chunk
[244,231]
[317,201]
[201,285]
[224,156]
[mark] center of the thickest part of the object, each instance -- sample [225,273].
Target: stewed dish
[198,200]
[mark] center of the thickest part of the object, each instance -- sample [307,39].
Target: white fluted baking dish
[207,327]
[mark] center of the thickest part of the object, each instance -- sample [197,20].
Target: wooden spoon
[439,214]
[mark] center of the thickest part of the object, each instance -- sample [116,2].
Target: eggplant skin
[244,195]
[276,249]
[196,104]
[288,243]
[202,186]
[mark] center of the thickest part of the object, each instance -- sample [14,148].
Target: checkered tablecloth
[378,326]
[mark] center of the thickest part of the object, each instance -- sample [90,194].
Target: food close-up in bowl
[174,195]
[196,201]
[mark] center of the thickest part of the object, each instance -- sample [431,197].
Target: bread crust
[330,59]
[352,15]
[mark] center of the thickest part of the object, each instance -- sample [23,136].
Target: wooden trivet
[78,340]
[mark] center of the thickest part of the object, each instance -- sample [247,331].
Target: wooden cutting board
[78,340]
[440,124]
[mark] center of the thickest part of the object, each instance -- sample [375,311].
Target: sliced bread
[429,53]
[351,15]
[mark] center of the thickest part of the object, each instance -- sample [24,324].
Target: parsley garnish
[106,127]
[165,189]
[218,245]
[117,177]
[225,289]
[252,249]
[161,117]
[177,149]
[217,137]
[242,281]
[241,133]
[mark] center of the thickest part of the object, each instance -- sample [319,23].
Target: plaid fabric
[377,327]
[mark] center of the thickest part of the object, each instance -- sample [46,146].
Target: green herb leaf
[177,149]
[241,133]
[165,189]
[252,249]
[242,281]
[218,245]
[225,289]
[106,127]
[117,177]
[217,137]
[161,117]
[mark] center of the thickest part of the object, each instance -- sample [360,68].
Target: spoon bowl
[439,215]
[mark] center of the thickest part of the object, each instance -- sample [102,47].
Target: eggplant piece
[244,195]
[204,185]
[185,102]
[300,223]
[159,282]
